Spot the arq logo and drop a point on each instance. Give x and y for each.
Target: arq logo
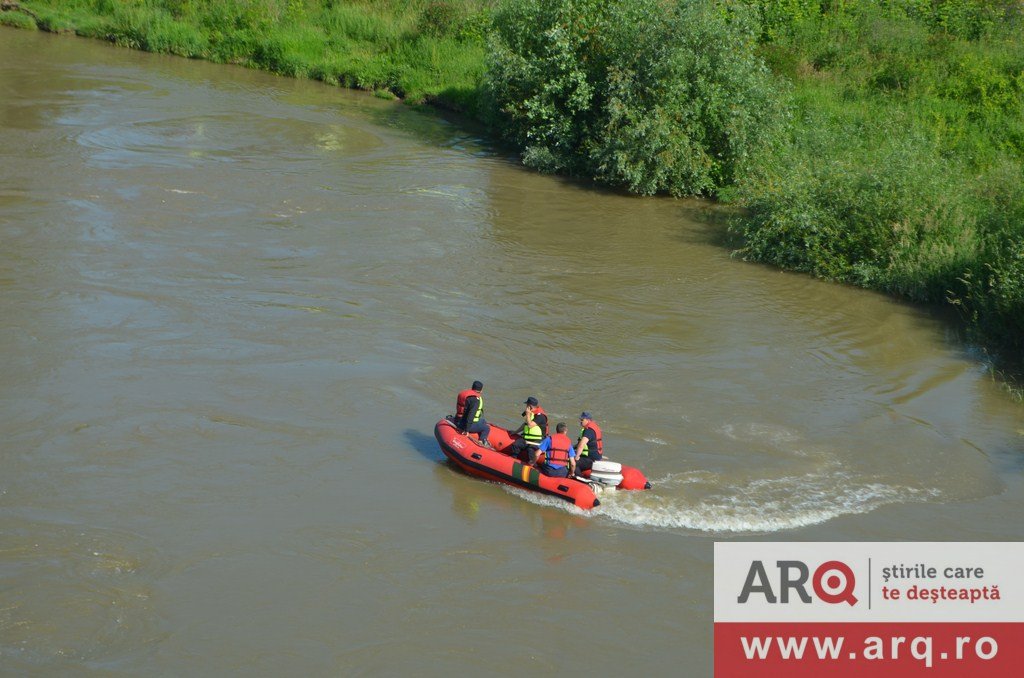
(833, 582)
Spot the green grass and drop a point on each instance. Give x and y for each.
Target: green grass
(17, 20)
(416, 49)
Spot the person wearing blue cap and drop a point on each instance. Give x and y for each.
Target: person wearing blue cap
(589, 446)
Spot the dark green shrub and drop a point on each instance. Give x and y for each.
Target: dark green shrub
(778, 18)
(969, 19)
(643, 94)
(893, 75)
(441, 18)
(844, 208)
(476, 26)
(234, 47)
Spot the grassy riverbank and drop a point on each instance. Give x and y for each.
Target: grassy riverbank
(413, 49)
(882, 146)
(905, 167)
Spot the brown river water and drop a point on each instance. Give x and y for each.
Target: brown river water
(232, 307)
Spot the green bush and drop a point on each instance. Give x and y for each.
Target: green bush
(779, 18)
(169, 36)
(650, 96)
(880, 207)
(904, 173)
(476, 26)
(440, 18)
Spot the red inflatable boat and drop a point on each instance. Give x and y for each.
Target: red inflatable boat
(499, 466)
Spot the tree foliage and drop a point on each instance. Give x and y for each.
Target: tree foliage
(649, 95)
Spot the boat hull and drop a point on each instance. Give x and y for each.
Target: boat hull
(498, 466)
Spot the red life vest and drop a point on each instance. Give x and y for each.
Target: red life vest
(537, 409)
(559, 452)
(460, 403)
(597, 436)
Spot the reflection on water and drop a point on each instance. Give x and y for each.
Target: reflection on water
(233, 307)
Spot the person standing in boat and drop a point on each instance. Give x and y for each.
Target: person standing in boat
(589, 446)
(532, 431)
(469, 412)
(556, 456)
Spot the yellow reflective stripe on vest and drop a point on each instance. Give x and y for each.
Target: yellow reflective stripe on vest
(532, 433)
(586, 450)
(479, 409)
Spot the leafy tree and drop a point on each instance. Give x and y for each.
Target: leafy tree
(649, 95)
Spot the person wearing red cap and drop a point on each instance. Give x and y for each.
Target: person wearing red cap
(589, 446)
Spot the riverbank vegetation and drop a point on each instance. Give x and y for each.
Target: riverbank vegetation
(877, 142)
(651, 96)
(905, 166)
(412, 49)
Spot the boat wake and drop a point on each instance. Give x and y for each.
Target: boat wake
(761, 505)
(704, 502)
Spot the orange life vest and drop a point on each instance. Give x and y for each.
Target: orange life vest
(597, 439)
(460, 403)
(537, 409)
(559, 452)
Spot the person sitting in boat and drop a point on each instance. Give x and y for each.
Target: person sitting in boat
(539, 415)
(469, 413)
(589, 447)
(556, 456)
(531, 432)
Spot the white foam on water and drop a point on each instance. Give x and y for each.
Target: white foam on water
(554, 502)
(756, 506)
(655, 441)
(762, 505)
